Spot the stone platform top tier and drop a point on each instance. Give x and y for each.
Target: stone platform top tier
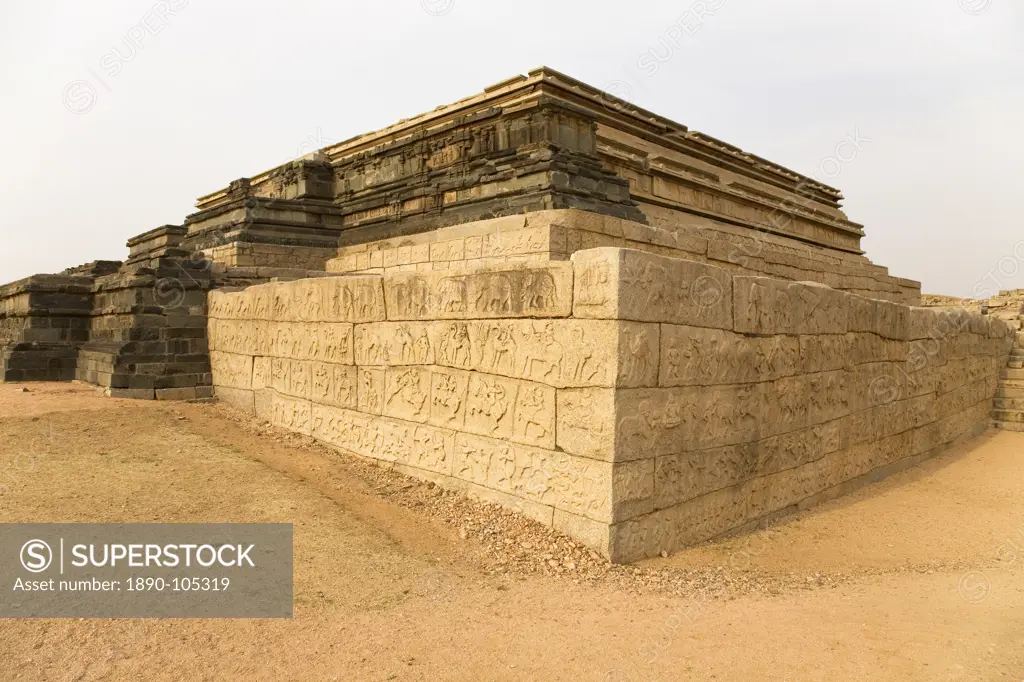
(541, 141)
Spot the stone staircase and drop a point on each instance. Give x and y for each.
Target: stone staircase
(1008, 410)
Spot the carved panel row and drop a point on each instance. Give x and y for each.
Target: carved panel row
(653, 422)
(231, 370)
(326, 384)
(771, 306)
(685, 476)
(634, 285)
(323, 299)
(416, 445)
(327, 342)
(483, 404)
(525, 291)
(699, 356)
(560, 353)
(573, 484)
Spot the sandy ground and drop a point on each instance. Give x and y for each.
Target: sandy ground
(914, 578)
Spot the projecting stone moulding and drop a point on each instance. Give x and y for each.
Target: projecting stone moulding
(637, 402)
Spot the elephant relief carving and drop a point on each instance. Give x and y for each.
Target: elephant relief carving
(539, 291)
(495, 296)
(412, 298)
(451, 294)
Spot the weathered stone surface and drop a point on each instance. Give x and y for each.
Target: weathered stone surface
(324, 299)
(500, 292)
(586, 423)
(694, 356)
(623, 284)
(569, 353)
(334, 385)
(231, 370)
(391, 344)
(574, 484)
(391, 440)
(768, 306)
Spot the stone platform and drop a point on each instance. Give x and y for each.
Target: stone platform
(546, 297)
(637, 402)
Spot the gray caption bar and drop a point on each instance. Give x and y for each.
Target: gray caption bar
(146, 570)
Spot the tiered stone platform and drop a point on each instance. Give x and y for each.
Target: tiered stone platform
(546, 297)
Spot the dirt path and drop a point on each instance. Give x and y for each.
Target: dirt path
(915, 578)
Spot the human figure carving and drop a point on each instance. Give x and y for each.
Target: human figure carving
(491, 402)
(455, 346)
(421, 350)
(545, 351)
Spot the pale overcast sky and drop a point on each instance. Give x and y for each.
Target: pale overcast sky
(103, 140)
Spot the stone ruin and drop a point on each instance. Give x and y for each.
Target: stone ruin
(547, 298)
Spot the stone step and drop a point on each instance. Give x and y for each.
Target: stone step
(1010, 391)
(1009, 403)
(1017, 374)
(1008, 426)
(1008, 416)
(1015, 363)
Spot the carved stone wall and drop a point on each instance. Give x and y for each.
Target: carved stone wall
(557, 234)
(636, 401)
(450, 378)
(770, 395)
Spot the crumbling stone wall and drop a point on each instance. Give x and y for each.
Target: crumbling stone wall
(557, 234)
(42, 321)
(136, 329)
(636, 401)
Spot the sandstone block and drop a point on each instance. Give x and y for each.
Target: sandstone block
(560, 353)
(417, 445)
(238, 398)
(261, 374)
(574, 484)
(768, 306)
(695, 356)
(494, 292)
(634, 285)
(290, 413)
(392, 344)
(407, 393)
(231, 370)
(334, 385)
(370, 390)
(130, 393)
(176, 393)
(586, 422)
